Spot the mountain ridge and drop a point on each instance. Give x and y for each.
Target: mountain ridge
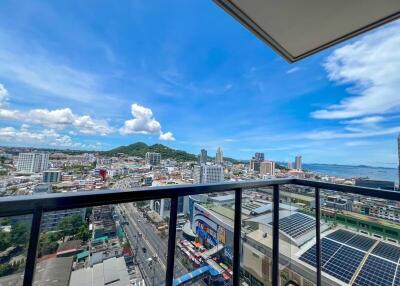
(140, 149)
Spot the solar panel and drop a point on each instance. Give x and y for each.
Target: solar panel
(328, 248)
(344, 263)
(296, 224)
(361, 242)
(387, 251)
(376, 272)
(341, 235)
(397, 280)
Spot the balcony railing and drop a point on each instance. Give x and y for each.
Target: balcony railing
(36, 205)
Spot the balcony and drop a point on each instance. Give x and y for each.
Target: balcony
(273, 242)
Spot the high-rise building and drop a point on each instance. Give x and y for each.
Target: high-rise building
(51, 176)
(297, 163)
(202, 157)
(153, 158)
(254, 165)
(267, 168)
(259, 156)
(256, 161)
(219, 156)
(32, 162)
(208, 174)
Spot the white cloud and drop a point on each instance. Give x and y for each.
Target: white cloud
(42, 137)
(356, 133)
(371, 66)
(167, 136)
(293, 70)
(357, 143)
(3, 95)
(143, 122)
(366, 120)
(58, 118)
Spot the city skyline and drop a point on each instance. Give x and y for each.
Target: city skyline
(63, 91)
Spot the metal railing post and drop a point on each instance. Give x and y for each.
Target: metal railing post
(318, 234)
(171, 241)
(33, 246)
(275, 237)
(237, 236)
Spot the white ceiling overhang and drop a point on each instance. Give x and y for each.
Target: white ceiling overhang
(299, 28)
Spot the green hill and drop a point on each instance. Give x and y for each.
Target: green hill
(140, 149)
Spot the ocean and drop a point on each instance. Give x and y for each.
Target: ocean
(345, 171)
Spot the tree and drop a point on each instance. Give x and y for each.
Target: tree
(5, 238)
(83, 232)
(5, 269)
(47, 243)
(5, 221)
(20, 234)
(70, 225)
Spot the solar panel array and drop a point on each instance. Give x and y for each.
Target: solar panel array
(387, 251)
(296, 224)
(376, 271)
(343, 252)
(328, 248)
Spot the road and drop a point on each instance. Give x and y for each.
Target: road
(155, 245)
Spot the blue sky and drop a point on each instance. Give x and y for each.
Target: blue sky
(96, 74)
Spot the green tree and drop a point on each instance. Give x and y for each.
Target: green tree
(20, 234)
(48, 243)
(5, 221)
(5, 242)
(83, 232)
(5, 269)
(70, 225)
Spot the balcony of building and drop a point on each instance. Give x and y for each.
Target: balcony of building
(274, 232)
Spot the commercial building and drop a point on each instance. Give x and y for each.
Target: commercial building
(298, 163)
(267, 168)
(207, 174)
(338, 203)
(378, 184)
(32, 162)
(51, 176)
(219, 156)
(153, 158)
(212, 222)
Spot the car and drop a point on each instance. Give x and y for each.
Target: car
(144, 249)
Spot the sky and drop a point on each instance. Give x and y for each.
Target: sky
(95, 75)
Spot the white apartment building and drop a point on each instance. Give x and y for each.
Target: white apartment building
(32, 162)
(208, 174)
(153, 159)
